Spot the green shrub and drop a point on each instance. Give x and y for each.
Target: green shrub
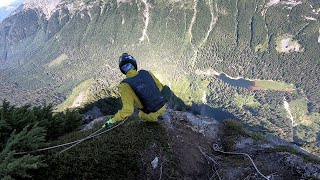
(28, 139)
(24, 129)
(231, 131)
(232, 127)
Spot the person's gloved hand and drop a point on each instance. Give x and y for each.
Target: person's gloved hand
(108, 123)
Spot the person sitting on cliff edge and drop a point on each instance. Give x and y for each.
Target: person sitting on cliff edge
(141, 89)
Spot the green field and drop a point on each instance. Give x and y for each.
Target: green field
(82, 89)
(273, 85)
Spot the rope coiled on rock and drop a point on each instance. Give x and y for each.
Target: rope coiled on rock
(218, 149)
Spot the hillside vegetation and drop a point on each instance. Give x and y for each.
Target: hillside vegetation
(25, 129)
(47, 52)
(179, 146)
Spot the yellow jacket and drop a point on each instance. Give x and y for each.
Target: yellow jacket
(129, 98)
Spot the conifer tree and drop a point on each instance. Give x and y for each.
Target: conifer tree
(26, 129)
(28, 139)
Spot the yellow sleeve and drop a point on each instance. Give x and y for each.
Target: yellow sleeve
(127, 103)
(156, 80)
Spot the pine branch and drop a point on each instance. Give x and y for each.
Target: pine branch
(25, 140)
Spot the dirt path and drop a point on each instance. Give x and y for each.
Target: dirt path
(77, 102)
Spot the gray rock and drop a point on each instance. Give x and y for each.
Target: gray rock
(209, 127)
(306, 169)
(276, 141)
(92, 123)
(243, 142)
(94, 112)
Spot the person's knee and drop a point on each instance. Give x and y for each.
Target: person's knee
(162, 111)
(148, 117)
(152, 117)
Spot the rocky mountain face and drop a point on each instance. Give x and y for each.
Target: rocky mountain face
(220, 148)
(47, 48)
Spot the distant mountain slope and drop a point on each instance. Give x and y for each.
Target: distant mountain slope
(58, 44)
(7, 10)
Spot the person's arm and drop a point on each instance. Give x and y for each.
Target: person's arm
(156, 80)
(127, 103)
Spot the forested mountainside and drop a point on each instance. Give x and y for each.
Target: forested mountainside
(255, 60)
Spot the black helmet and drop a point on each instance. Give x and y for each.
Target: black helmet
(125, 58)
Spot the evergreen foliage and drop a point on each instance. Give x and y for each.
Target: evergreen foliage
(27, 140)
(25, 129)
